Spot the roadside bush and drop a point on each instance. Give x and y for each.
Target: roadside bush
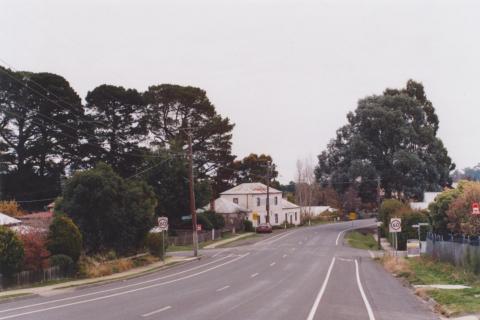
(35, 252)
(111, 212)
(248, 226)
(204, 221)
(64, 238)
(460, 219)
(11, 208)
(409, 217)
(62, 261)
(11, 252)
(387, 211)
(155, 244)
(217, 220)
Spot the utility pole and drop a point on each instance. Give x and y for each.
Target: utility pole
(268, 193)
(193, 211)
(378, 212)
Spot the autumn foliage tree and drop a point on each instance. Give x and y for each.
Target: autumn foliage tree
(36, 253)
(11, 208)
(459, 213)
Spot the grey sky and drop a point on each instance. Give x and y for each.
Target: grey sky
(285, 72)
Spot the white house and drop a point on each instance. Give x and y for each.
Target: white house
(253, 197)
(428, 197)
(290, 213)
(233, 213)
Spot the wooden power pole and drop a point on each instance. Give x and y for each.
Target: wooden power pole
(193, 210)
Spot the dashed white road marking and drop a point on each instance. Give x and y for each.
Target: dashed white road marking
(156, 311)
(254, 275)
(123, 292)
(364, 297)
(222, 288)
(314, 308)
(116, 288)
(284, 256)
(345, 259)
(272, 264)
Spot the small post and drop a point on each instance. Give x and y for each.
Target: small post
(163, 245)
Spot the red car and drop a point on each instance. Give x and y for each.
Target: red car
(264, 228)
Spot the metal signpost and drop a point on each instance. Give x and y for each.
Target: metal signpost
(163, 226)
(475, 209)
(395, 227)
(379, 225)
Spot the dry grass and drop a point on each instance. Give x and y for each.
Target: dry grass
(398, 266)
(98, 266)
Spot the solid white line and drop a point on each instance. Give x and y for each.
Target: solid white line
(125, 292)
(117, 288)
(371, 254)
(272, 264)
(321, 292)
(254, 275)
(156, 311)
(364, 297)
(351, 228)
(222, 288)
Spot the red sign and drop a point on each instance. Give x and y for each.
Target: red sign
(475, 208)
(199, 227)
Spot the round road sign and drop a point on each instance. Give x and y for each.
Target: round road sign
(395, 225)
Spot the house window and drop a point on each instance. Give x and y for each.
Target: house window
(276, 201)
(235, 200)
(258, 202)
(295, 216)
(276, 218)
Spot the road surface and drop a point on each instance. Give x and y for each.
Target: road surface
(306, 273)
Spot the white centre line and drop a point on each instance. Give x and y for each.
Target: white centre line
(223, 288)
(284, 256)
(156, 311)
(272, 264)
(364, 297)
(254, 275)
(321, 292)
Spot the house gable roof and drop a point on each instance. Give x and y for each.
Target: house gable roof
(225, 206)
(288, 205)
(250, 188)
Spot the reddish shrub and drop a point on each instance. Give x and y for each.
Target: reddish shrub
(36, 253)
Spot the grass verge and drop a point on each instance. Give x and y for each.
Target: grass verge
(425, 271)
(361, 239)
(12, 296)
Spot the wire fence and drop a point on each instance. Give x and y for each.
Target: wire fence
(460, 250)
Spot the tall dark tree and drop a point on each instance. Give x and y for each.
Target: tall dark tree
(172, 109)
(254, 168)
(118, 127)
(40, 125)
(391, 137)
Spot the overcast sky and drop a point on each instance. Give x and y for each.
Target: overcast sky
(285, 72)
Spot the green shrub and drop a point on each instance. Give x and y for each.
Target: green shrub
(248, 226)
(204, 221)
(155, 244)
(11, 252)
(61, 260)
(217, 220)
(64, 238)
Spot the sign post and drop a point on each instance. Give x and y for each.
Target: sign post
(395, 227)
(475, 208)
(163, 226)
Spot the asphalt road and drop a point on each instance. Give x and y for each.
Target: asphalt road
(305, 273)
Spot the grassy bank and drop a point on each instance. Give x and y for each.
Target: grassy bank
(361, 239)
(425, 271)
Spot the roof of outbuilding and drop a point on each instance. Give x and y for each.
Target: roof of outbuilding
(288, 205)
(250, 188)
(225, 206)
(7, 220)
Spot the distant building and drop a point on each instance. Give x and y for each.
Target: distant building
(252, 197)
(428, 198)
(315, 211)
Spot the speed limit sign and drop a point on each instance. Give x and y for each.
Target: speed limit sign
(163, 223)
(395, 225)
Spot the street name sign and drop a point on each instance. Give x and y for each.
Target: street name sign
(163, 223)
(395, 225)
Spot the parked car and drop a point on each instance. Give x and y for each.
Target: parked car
(264, 228)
